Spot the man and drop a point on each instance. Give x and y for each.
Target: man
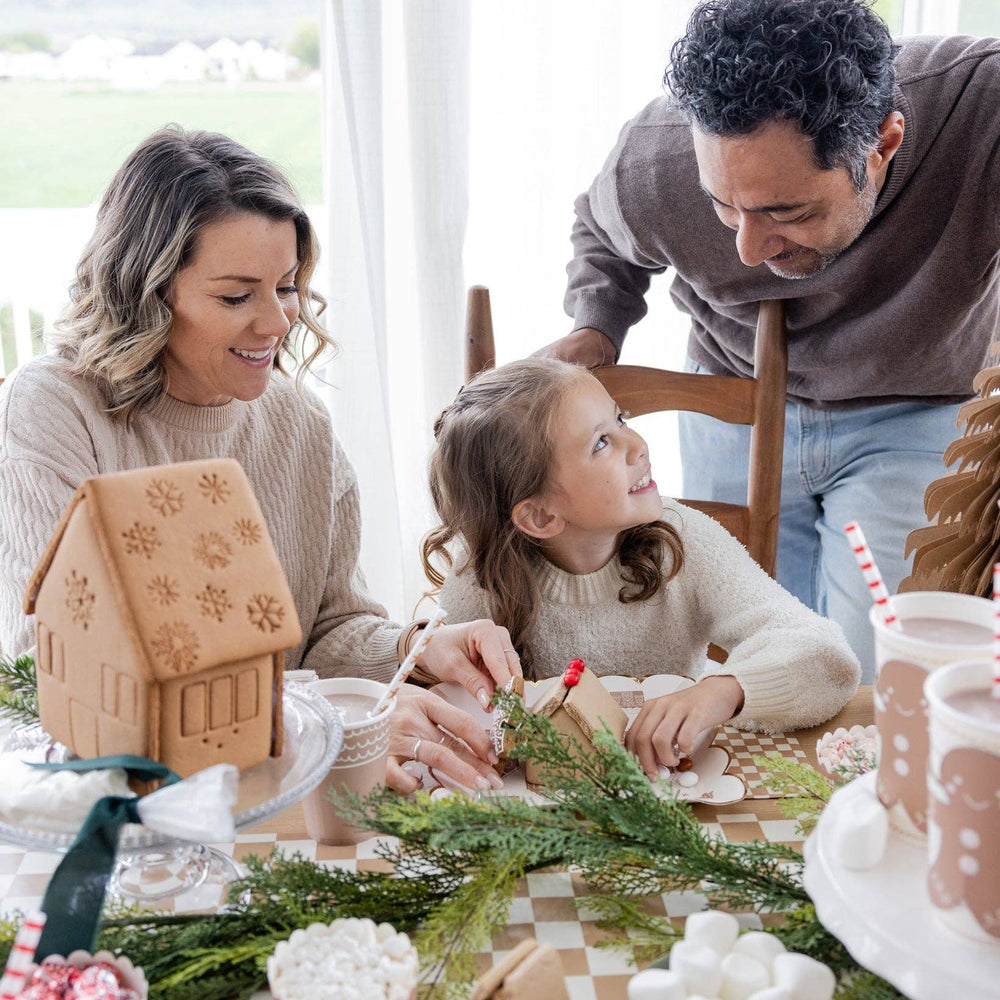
(861, 182)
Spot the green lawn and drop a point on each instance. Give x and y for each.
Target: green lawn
(62, 142)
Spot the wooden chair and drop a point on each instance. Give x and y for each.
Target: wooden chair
(758, 402)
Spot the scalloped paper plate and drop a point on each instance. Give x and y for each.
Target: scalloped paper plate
(710, 764)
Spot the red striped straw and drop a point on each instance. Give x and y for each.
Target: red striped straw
(22, 954)
(996, 630)
(872, 576)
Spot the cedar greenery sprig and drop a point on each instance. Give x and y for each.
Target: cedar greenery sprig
(18, 692)
(803, 791)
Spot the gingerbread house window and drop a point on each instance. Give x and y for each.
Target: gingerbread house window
(247, 695)
(50, 653)
(194, 699)
(119, 695)
(220, 711)
(43, 652)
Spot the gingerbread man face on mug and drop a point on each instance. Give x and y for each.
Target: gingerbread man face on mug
(901, 714)
(965, 836)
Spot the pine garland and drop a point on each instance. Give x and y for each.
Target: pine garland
(18, 694)
(457, 861)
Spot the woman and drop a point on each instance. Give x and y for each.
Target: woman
(191, 305)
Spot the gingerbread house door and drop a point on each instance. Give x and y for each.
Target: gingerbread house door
(220, 716)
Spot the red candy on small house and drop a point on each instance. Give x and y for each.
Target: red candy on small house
(571, 676)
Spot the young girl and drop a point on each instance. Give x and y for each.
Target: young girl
(560, 534)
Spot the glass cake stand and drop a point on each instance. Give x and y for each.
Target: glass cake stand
(152, 868)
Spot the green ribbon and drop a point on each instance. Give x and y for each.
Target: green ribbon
(74, 898)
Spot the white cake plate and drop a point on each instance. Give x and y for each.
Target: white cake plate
(152, 868)
(884, 917)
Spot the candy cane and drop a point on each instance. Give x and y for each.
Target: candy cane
(22, 954)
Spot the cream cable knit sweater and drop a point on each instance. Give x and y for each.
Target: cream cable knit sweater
(54, 434)
(795, 667)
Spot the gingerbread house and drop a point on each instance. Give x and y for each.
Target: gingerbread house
(578, 705)
(162, 619)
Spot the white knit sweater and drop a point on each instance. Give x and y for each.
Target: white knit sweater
(54, 434)
(795, 667)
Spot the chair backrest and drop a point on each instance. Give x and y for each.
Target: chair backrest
(758, 402)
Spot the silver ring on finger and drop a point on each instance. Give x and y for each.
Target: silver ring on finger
(416, 749)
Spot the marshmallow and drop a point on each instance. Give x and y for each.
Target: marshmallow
(861, 833)
(713, 928)
(742, 976)
(656, 984)
(803, 977)
(760, 945)
(771, 993)
(687, 779)
(698, 965)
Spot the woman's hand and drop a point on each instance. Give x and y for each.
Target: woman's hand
(478, 655)
(668, 728)
(450, 741)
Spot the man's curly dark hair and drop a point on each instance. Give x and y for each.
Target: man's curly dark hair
(825, 65)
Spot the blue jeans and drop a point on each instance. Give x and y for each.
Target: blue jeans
(870, 464)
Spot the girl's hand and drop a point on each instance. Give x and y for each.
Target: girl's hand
(450, 741)
(478, 655)
(668, 728)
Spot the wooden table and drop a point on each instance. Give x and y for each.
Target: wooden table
(544, 906)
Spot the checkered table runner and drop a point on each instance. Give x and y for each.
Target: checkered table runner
(743, 747)
(544, 907)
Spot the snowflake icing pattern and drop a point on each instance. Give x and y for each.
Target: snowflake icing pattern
(163, 590)
(212, 550)
(247, 532)
(265, 612)
(80, 600)
(176, 644)
(164, 497)
(213, 602)
(142, 540)
(213, 487)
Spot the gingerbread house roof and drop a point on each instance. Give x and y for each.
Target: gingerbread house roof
(194, 572)
(587, 702)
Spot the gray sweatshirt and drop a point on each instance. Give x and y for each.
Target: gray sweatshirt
(905, 313)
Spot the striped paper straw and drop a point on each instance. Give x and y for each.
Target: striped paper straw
(996, 630)
(406, 667)
(872, 576)
(22, 954)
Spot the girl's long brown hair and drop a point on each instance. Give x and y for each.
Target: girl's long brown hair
(494, 450)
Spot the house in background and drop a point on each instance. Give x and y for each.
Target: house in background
(163, 616)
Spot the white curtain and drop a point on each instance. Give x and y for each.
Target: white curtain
(396, 92)
(457, 135)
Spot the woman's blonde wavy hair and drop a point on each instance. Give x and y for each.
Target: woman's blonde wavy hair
(494, 449)
(173, 185)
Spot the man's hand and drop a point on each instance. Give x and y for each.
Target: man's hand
(585, 346)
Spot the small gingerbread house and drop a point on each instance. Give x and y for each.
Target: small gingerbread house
(579, 705)
(163, 616)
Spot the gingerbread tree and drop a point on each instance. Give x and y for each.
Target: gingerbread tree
(957, 550)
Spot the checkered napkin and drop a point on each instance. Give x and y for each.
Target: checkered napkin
(744, 746)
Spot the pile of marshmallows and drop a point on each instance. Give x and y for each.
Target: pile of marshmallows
(349, 959)
(713, 962)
